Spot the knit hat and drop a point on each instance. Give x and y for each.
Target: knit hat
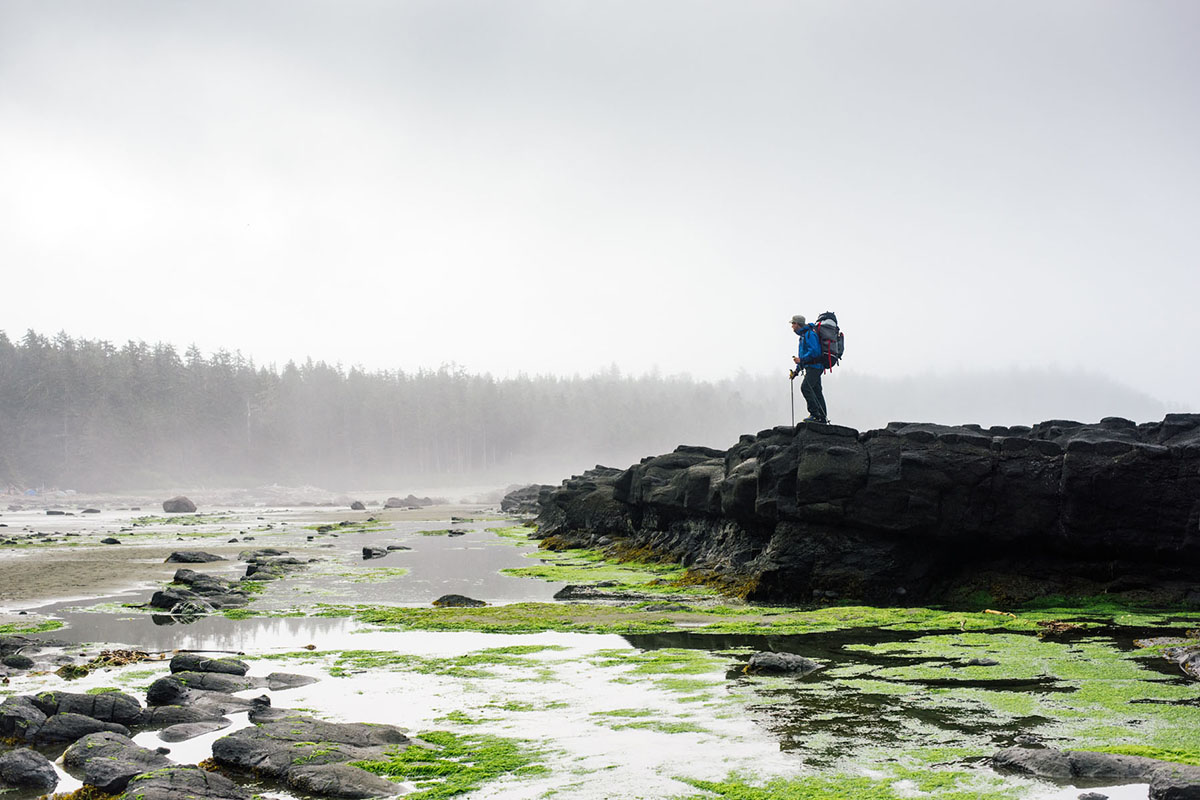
(798, 319)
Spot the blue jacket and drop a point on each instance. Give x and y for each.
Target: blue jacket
(810, 354)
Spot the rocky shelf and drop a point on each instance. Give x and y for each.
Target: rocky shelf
(914, 512)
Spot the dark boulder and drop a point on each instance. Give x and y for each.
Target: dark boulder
(193, 557)
(358, 505)
(184, 783)
(339, 780)
(311, 755)
(197, 587)
(195, 662)
(25, 769)
(17, 661)
(109, 760)
(369, 553)
(179, 505)
(107, 707)
(1168, 780)
(20, 719)
(110, 540)
(457, 601)
(768, 662)
(411, 501)
(70, 727)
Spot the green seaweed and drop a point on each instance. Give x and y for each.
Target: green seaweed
(470, 665)
(944, 785)
(30, 627)
(455, 764)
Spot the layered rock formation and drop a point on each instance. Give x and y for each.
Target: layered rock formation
(913, 512)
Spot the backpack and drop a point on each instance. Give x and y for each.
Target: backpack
(833, 344)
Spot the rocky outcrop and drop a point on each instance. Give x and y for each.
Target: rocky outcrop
(912, 512)
(523, 500)
(55, 717)
(411, 501)
(200, 590)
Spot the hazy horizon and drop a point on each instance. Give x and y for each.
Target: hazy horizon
(87, 414)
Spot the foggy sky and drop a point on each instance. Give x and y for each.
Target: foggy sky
(560, 186)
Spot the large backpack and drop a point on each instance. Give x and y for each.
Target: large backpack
(833, 344)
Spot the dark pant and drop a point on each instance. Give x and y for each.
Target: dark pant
(810, 387)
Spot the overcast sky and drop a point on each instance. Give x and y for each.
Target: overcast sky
(558, 186)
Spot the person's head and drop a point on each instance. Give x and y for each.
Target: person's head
(797, 322)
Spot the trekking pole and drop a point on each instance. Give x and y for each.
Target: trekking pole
(792, 383)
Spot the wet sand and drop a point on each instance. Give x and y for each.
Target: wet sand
(34, 576)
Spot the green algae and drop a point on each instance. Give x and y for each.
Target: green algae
(376, 574)
(456, 764)
(180, 519)
(459, 717)
(1191, 757)
(591, 566)
(945, 786)
(44, 626)
(471, 665)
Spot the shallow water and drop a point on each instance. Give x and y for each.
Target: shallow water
(610, 722)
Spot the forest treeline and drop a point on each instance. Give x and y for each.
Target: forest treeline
(88, 415)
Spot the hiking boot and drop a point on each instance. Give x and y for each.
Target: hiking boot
(811, 419)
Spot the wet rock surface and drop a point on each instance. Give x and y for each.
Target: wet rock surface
(524, 500)
(458, 601)
(184, 783)
(198, 662)
(109, 760)
(779, 663)
(193, 557)
(911, 513)
(27, 769)
(311, 755)
(1168, 781)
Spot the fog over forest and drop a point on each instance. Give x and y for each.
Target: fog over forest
(92, 416)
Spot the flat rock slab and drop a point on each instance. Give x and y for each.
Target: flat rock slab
(26, 769)
(185, 783)
(109, 761)
(311, 755)
(340, 780)
(190, 730)
(458, 601)
(69, 727)
(193, 557)
(1168, 781)
(789, 663)
(170, 715)
(195, 662)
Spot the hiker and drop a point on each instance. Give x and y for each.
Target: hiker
(811, 362)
